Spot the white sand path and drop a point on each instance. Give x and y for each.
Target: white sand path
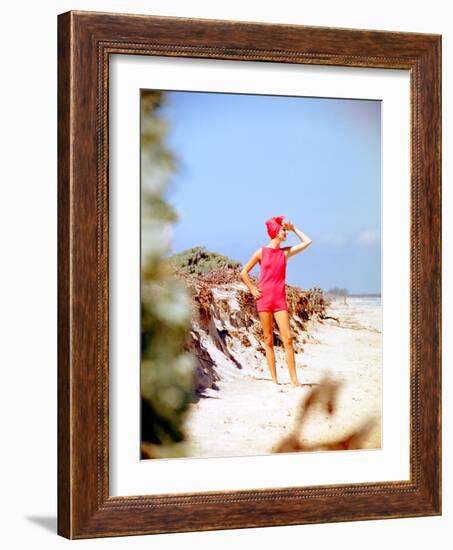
(249, 414)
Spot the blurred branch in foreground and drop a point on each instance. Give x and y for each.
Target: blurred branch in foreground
(167, 373)
(323, 399)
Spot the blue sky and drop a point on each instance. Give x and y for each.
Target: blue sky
(244, 158)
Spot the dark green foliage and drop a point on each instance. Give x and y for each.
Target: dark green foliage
(198, 260)
(338, 291)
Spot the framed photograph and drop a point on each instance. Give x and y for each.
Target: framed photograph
(249, 274)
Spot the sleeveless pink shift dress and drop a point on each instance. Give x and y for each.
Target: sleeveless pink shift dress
(272, 280)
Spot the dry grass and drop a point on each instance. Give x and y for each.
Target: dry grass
(322, 399)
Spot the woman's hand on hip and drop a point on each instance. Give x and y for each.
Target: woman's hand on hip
(256, 292)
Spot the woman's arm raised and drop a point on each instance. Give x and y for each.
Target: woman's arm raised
(306, 241)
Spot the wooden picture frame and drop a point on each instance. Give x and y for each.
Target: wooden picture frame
(85, 41)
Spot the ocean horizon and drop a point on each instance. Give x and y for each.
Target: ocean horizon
(362, 299)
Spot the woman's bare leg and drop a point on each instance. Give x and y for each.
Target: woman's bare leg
(267, 323)
(282, 319)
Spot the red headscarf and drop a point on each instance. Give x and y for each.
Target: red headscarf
(274, 225)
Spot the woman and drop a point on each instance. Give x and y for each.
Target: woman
(271, 294)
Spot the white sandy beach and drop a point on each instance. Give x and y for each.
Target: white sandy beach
(250, 414)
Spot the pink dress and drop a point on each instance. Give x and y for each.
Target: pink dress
(272, 280)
